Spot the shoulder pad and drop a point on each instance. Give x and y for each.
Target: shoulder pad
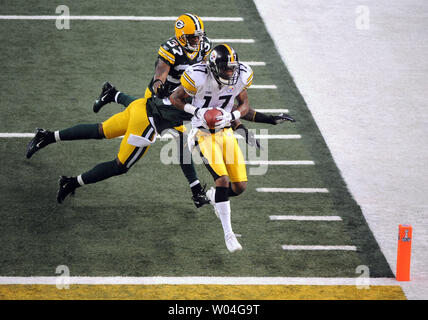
(166, 51)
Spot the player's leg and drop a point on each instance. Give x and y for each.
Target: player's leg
(110, 94)
(211, 152)
(114, 127)
(187, 166)
(43, 137)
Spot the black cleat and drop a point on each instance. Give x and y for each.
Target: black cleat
(39, 141)
(201, 198)
(67, 185)
(107, 95)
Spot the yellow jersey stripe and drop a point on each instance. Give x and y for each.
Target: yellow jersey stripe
(189, 78)
(189, 87)
(165, 54)
(250, 78)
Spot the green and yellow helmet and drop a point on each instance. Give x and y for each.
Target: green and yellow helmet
(189, 30)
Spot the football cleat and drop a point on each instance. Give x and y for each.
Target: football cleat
(107, 95)
(211, 197)
(232, 243)
(282, 118)
(201, 198)
(66, 186)
(39, 141)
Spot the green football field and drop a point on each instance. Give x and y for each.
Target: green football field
(144, 223)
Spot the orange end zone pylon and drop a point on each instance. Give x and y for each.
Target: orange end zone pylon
(404, 252)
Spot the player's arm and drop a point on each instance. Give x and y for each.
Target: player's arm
(254, 116)
(161, 73)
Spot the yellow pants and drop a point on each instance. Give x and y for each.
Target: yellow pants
(133, 120)
(222, 155)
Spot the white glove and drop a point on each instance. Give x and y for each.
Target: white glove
(198, 119)
(226, 118)
(191, 139)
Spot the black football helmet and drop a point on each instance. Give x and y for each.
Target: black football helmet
(224, 64)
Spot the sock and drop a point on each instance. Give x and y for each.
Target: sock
(196, 187)
(81, 131)
(261, 117)
(222, 205)
(187, 166)
(101, 172)
(124, 99)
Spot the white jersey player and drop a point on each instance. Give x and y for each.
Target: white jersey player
(218, 83)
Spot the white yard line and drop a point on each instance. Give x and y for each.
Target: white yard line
(193, 281)
(254, 63)
(280, 162)
(293, 190)
(273, 110)
(233, 40)
(263, 86)
(125, 18)
(306, 218)
(343, 248)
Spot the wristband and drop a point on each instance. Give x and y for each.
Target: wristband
(236, 115)
(189, 108)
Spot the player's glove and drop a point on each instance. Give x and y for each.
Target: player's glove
(191, 139)
(282, 118)
(227, 118)
(249, 136)
(158, 87)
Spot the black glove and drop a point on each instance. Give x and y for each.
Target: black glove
(250, 138)
(282, 118)
(159, 89)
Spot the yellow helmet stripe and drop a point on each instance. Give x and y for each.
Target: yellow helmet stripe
(165, 54)
(188, 84)
(231, 52)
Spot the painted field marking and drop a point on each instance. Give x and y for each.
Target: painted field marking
(293, 190)
(126, 18)
(273, 110)
(233, 41)
(263, 86)
(280, 162)
(294, 247)
(195, 281)
(254, 63)
(306, 218)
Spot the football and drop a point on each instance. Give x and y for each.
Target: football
(210, 117)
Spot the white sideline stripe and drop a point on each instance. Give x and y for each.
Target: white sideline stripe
(129, 18)
(293, 190)
(233, 40)
(16, 135)
(255, 63)
(165, 136)
(272, 110)
(307, 218)
(263, 86)
(195, 281)
(345, 248)
(280, 162)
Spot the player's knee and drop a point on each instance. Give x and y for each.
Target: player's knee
(222, 181)
(239, 187)
(120, 167)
